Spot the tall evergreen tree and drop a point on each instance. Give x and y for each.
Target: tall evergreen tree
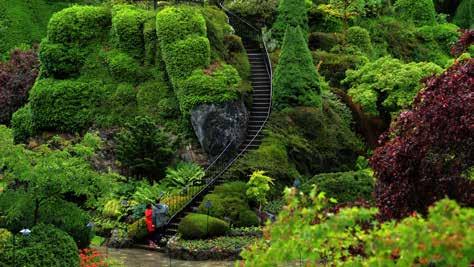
(291, 13)
(296, 81)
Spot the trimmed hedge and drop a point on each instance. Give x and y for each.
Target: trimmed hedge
(198, 226)
(184, 56)
(230, 201)
(217, 87)
(360, 38)
(64, 105)
(296, 81)
(124, 68)
(344, 186)
(127, 27)
(421, 12)
(22, 124)
(61, 61)
(79, 24)
(178, 23)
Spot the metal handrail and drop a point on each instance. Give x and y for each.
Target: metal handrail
(220, 163)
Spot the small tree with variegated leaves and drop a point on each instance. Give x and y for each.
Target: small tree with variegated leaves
(258, 187)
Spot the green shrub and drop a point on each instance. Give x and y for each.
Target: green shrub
(61, 61)
(229, 201)
(46, 246)
(291, 13)
(198, 226)
(388, 81)
(78, 24)
(344, 186)
(333, 66)
(178, 23)
(156, 100)
(64, 105)
(247, 218)
(137, 230)
(360, 37)
(184, 174)
(143, 148)
(321, 21)
(465, 14)
(203, 87)
(127, 26)
(217, 27)
(112, 208)
(123, 102)
(124, 68)
(259, 13)
(184, 56)
(323, 40)
(296, 81)
(445, 35)
(421, 12)
(233, 43)
(22, 124)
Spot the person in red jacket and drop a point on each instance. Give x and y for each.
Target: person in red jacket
(150, 227)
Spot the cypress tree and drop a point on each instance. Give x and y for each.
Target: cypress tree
(296, 81)
(291, 13)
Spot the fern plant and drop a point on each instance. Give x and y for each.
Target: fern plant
(184, 174)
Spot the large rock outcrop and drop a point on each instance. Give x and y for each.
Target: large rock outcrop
(216, 125)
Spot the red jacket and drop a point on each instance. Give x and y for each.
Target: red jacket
(149, 220)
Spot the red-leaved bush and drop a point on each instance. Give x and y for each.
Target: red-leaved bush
(90, 257)
(465, 40)
(17, 76)
(428, 150)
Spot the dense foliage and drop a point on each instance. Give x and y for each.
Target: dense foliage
(198, 226)
(305, 233)
(428, 150)
(422, 12)
(144, 149)
(296, 81)
(291, 13)
(387, 85)
(17, 76)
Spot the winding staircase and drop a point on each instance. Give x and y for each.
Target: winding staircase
(191, 196)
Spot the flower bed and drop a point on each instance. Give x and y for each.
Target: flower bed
(220, 248)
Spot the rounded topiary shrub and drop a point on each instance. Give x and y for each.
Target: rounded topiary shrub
(421, 12)
(61, 61)
(198, 226)
(177, 23)
(64, 105)
(344, 186)
(247, 218)
(127, 26)
(78, 24)
(360, 38)
(46, 246)
(22, 124)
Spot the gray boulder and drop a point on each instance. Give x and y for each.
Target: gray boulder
(216, 125)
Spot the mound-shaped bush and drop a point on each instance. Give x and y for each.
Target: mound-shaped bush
(123, 67)
(78, 24)
(61, 61)
(64, 105)
(360, 38)
(178, 23)
(198, 226)
(46, 246)
(421, 12)
(127, 26)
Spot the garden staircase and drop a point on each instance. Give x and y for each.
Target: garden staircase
(191, 196)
